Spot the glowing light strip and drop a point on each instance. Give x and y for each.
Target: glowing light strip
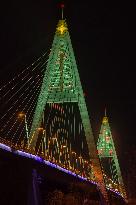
(39, 159)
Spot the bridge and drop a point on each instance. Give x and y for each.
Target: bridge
(52, 176)
(44, 120)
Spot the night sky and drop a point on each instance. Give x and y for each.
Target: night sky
(103, 39)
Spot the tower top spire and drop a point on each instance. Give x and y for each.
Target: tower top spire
(105, 112)
(105, 118)
(62, 25)
(62, 8)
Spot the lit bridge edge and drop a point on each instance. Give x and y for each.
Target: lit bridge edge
(40, 159)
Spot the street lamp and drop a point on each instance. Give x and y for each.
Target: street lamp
(40, 129)
(21, 115)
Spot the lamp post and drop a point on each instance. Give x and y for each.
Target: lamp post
(26, 127)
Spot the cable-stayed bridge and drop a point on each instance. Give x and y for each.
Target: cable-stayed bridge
(43, 116)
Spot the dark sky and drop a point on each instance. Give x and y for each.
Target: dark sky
(103, 39)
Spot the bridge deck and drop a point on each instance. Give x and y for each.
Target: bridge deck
(16, 177)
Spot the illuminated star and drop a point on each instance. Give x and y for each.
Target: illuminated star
(105, 120)
(61, 28)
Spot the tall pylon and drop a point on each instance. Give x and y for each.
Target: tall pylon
(108, 158)
(61, 84)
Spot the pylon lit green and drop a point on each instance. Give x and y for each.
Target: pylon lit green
(108, 158)
(61, 84)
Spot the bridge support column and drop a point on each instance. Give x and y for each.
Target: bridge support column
(34, 197)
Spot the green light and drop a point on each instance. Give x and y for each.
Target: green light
(106, 149)
(61, 84)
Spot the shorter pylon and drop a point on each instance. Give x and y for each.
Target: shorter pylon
(109, 160)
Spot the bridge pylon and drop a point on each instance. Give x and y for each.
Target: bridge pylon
(109, 160)
(62, 90)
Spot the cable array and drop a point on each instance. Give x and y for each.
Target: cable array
(19, 95)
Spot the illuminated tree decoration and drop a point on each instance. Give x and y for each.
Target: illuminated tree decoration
(61, 85)
(105, 143)
(108, 158)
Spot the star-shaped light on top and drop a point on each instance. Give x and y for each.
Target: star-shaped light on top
(105, 120)
(62, 27)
